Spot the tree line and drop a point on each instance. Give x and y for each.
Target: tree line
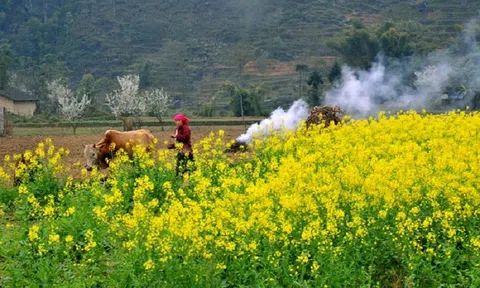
(356, 47)
(124, 103)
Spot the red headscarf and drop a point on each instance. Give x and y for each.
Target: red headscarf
(182, 118)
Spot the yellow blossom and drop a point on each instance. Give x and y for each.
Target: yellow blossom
(33, 232)
(70, 211)
(49, 211)
(149, 265)
(53, 238)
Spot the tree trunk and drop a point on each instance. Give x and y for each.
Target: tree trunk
(241, 111)
(74, 129)
(138, 123)
(127, 123)
(212, 109)
(159, 118)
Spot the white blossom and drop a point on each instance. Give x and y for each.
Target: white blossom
(127, 100)
(157, 102)
(69, 105)
(426, 77)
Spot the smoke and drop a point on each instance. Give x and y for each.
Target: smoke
(278, 120)
(415, 83)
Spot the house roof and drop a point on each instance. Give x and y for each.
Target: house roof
(17, 95)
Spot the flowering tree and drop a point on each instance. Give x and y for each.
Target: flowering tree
(157, 102)
(127, 101)
(56, 89)
(426, 77)
(124, 101)
(69, 105)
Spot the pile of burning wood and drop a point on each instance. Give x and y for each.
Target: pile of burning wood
(318, 115)
(237, 146)
(325, 114)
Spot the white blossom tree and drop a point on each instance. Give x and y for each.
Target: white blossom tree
(127, 101)
(157, 102)
(55, 89)
(426, 77)
(69, 105)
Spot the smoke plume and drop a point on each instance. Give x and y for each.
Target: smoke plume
(278, 120)
(414, 83)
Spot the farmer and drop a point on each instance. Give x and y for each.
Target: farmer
(182, 135)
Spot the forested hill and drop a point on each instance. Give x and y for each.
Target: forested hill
(190, 47)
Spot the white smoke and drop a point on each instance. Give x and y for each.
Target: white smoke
(360, 90)
(360, 87)
(278, 120)
(361, 93)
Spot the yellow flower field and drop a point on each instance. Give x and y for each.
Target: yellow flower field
(392, 201)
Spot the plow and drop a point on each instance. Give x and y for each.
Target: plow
(318, 115)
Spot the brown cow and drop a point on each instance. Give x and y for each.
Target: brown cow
(97, 154)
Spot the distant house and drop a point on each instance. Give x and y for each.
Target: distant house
(18, 102)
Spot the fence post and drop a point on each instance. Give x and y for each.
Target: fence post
(2, 121)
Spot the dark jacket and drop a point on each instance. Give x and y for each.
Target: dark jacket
(183, 136)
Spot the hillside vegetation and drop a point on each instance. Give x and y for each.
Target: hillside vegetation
(191, 47)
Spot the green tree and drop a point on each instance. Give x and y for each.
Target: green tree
(395, 45)
(241, 104)
(335, 73)
(86, 85)
(6, 61)
(301, 69)
(146, 75)
(357, 23)
(246, 101)
(315, 81)
(256, 95)
(384, 27)
(358, 46)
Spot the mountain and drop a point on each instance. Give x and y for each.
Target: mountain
(190, 47)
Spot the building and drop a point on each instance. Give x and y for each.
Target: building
(18, 102)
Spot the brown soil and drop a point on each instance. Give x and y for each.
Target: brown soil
(272, 68)
(17, 145)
